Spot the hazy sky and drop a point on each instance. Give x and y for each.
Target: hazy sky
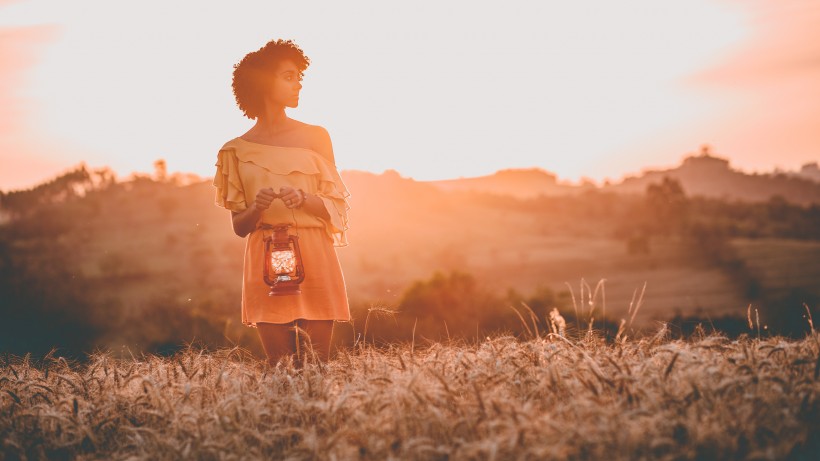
(433, 89)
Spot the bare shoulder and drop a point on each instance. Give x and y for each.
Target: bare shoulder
(319, 141)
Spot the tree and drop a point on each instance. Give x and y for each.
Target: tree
(667, 206)
(160, 170)
(66, 186)
(454, 305)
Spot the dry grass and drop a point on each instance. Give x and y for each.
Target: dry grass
(545, 398)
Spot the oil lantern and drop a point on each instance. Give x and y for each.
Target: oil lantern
(283, 262)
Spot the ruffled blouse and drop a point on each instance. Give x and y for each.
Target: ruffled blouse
(243, 168)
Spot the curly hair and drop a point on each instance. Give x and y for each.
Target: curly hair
(255, 68)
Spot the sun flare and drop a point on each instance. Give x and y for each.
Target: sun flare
(581, 89)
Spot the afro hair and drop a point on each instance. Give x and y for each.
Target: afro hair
(254, 69)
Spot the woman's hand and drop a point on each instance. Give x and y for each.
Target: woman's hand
(264, 198)
(244, 222)
(293, 198)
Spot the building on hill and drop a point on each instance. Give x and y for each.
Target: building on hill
(706, 162)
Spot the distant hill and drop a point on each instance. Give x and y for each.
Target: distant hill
(710, 176)
(700, 175)
(519, 183)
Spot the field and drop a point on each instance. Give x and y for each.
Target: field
(139, 269)
(503, 398)
(782, 265)
(139, 253)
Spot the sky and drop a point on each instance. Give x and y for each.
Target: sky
(431, 89)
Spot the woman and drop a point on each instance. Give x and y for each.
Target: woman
(282, 171)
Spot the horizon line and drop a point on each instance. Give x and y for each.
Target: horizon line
(579, 182)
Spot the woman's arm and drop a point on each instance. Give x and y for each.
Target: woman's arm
(244, 222)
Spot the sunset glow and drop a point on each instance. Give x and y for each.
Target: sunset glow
(433, 90)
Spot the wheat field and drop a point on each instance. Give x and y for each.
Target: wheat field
(502, 398)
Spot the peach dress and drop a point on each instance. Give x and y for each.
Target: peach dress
(242, 169)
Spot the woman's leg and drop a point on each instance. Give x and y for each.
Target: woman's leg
(319, 334)
(278, 339)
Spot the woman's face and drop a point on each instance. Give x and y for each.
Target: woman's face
(285, 85)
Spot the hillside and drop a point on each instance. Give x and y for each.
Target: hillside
(149, 263)
(519, 183)
(710, 176)
(701, 175)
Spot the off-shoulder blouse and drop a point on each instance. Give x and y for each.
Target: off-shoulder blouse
(243, 168)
